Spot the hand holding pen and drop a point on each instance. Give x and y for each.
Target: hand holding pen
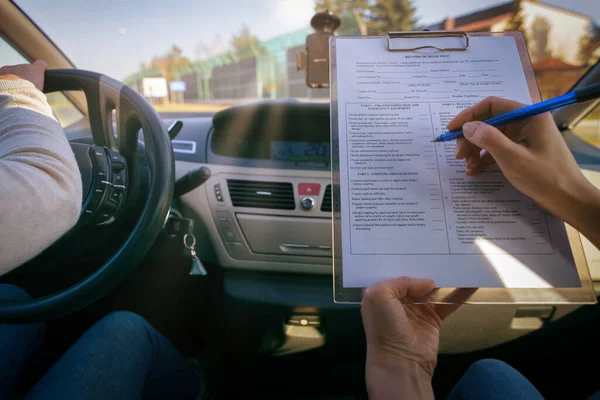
(576, 96)
(534, 157)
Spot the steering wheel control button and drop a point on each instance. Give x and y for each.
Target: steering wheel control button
(110, 207)
(99, 163)
(309, 189)
(105, 219)
(118, 194)
(99, 194)
(109, 186)
(307, 203)
(117, 165)
(116, 160)
(118, 168)
(119, 178)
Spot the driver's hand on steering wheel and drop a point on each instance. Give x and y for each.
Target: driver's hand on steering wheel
(41, 189)
(33, 73)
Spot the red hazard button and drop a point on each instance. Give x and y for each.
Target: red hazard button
(309, 189)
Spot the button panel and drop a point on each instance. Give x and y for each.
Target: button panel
(307, 203)
(118, 169)
(309, 189)
(118, 194)
(218, 193)
(100, 163)
(109, 186)
(230, 232)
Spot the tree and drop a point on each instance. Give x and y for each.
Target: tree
(516, 22)
(351, 23)
(348, 11)
(170, 62)
(588, 44)
(336, 7)
(383, 16)
(244, 39)
(539, 47)
(204, 50)
(379, 16)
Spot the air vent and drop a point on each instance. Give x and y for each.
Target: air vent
(326, 204)
(256, 194)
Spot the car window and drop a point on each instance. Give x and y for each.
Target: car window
(66, 113)
(245, 51)
(64, 110)
(588, 128)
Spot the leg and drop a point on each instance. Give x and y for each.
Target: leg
(595, 396)
(120, 357)
(493, 380)
(18, 343)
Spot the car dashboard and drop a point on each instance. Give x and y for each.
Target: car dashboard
(267, 204)
(263, 219)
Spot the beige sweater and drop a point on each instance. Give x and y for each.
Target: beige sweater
(40, 184)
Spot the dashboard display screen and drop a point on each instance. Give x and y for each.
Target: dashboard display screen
(284, 131)
(300, 151)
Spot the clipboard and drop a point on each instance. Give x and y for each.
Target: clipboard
(462, 35)
(447, 41)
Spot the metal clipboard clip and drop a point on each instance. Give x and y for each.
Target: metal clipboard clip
(427, 34)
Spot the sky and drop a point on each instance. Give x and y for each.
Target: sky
(114, 36)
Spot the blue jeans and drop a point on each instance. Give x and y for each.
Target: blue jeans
(120, 357)
(18, 344)
(495, 380)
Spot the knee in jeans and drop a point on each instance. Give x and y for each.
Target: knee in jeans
(15, 293)
(12, 292)
(488, 366)
(124, 323)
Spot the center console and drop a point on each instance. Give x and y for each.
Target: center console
(267, 204)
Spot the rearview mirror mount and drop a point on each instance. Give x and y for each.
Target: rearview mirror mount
(315, 60)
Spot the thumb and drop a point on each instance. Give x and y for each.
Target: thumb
(41, 64)
(398, 289)
(489, 138)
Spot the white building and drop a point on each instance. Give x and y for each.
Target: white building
(552, 32)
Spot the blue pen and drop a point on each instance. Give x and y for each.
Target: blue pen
(576, 96)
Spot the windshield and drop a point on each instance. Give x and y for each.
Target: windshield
(203, 56)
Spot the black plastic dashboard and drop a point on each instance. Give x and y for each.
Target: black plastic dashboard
(279, 134)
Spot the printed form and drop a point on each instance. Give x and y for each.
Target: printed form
(407, 207)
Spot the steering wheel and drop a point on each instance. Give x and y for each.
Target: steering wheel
(110, 174)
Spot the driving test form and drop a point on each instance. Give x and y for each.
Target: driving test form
(407, 206)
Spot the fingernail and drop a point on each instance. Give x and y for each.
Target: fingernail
(469, 129)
